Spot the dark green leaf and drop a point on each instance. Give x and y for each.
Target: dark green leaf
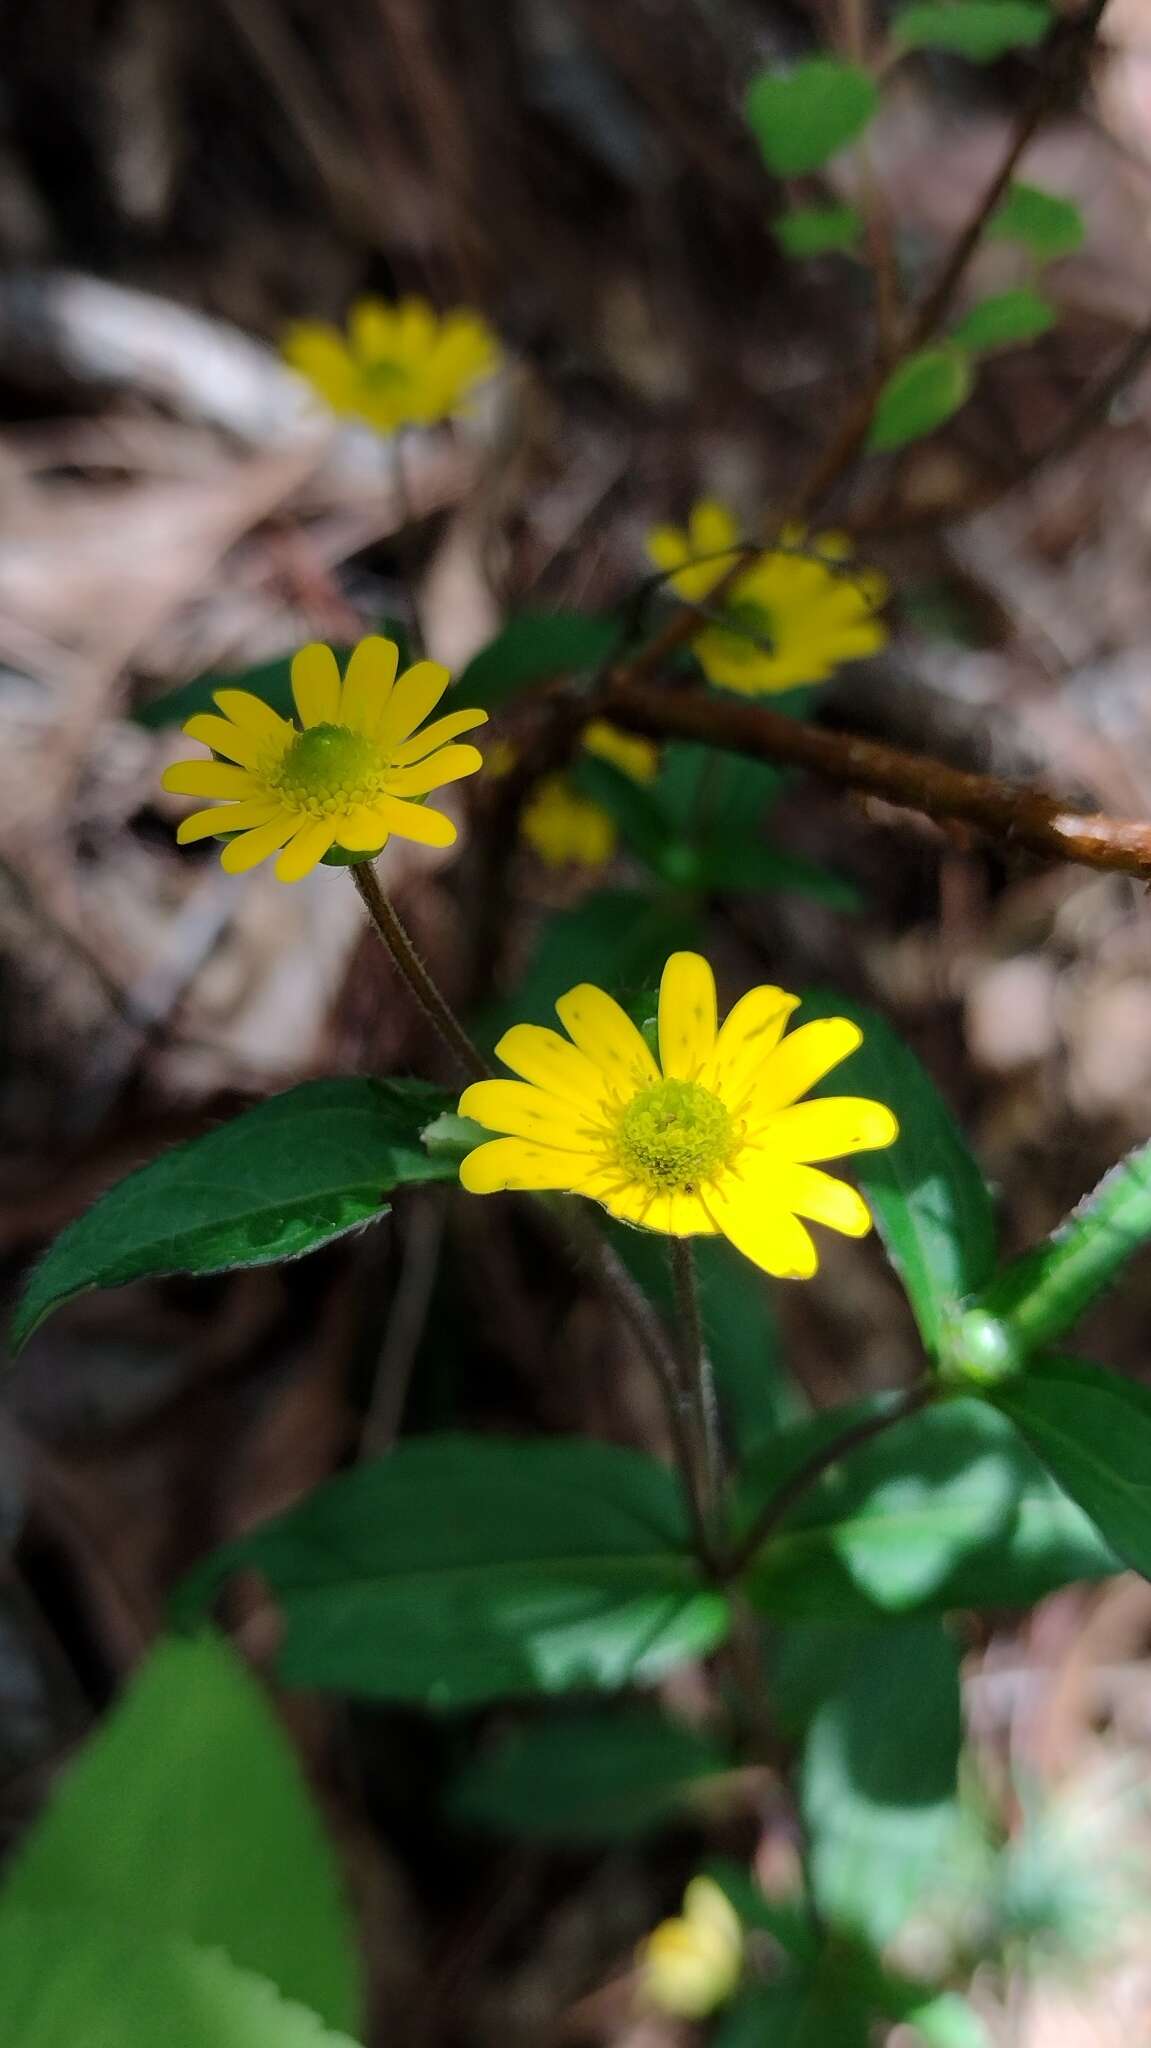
(979, 29)
(74, 1980)
(532, 648)
(1093, 1432)
(702, 791)
(1047, 224)
(724, 864)
(806, 2011)
(931, 1206)
(637, 816)
(818, 230)
(186, 1815)
(588, 1777)
(283, 1178)
(618, 938)
(460, 1568)
(1044, 1293)
(802, 117)
(1007, 320)
(878, 1778)
(787, 1921)
(947, 1509)
(921, 395)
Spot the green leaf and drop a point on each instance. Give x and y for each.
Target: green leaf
(942, 2019)
(270, 680)
(756, 867)
(947, 1509)
(291, 1174)
(924, 392)
(802, 117)
(805, 2011)
(459, 1569)
(737, 1311)
(532, 648)
(979, 29)
(618, 938)
(1010, 318)
(1043, 1294)
(1093, 1432)
(635, 812)
(71, 1980)
(878, 1778)
(587, 1777)
(818, 230)
(1047, 224)
(186, 1815)
(702, 791)
(931, 1206)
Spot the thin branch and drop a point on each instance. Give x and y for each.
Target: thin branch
(1013, 813)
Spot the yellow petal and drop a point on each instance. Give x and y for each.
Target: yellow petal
(225, 818)
(252, 847)
(673, 1215)
(766, 1233)
(417, 822)
(316, 685)
(686, 1016)
(364, 830)
(611, 1041)
(415, 329)
(521, 1111)
(415, 695)
(668, 547)
(436, 735)
(321, 355)
(516, 1163)
(712, 528)
(706, 1904)
(446, 765)
(802, 1059)
(748, 1035)
(245, 709)
(372, 330)
(553, 1064)
(823, 1199)
(208, 778)
(305, 850)
(371, 673)
(625, 750)
(225, 738)
(832, 1128)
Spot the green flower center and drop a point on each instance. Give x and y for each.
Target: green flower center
(327, 770)
(386, 377)
(674, 1135)
(749, 636)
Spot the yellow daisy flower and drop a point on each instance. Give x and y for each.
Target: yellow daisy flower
(633, 756)
(794, 617)
(348, 776)
(711, 1140)
(396, 366)
(692, 1964)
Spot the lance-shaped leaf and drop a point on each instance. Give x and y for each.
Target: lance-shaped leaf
(460, 1569)
(1007, 320)
(1093, 1432)
(1045, 222)
(283, 1178)
(980, 30)
(921, 395)
(1043, 1294)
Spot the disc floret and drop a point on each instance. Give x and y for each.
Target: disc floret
(674, 1136)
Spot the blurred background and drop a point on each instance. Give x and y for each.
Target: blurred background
(176, 186)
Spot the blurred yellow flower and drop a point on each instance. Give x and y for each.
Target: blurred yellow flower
(711, 1140)
(348, 776)
(566, 828)
(788, 618)
(396, 366)
(691, 1965)
(626, 751)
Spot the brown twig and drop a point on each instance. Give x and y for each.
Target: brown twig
(1016, 814)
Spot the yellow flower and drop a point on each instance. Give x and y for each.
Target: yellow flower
(566, 828)
(692, 1964)
(635, 757)
(713, 1140)
(349, 778)
(794, 616)
(397, 365)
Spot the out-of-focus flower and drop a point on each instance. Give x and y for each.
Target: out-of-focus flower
(396, 366)
(349, 775)
(713, 1139)
(566, 828)
(792, 616)
(691, 1965)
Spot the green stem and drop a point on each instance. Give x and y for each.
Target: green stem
(435, 1006)
(698, 1377)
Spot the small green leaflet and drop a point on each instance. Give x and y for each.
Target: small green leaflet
(186, 1815)
(802, 117)
(979, 29)
(533, 647)
(1093, 1432)
(79, 1980)
(1006, 321)
(462, 1569)
(587, 1776)
(818, 230)
(1042, 1295)
(283, 1178)
(1048, 225)
(921, 395)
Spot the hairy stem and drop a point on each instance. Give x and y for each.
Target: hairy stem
(436, 1008)
(698, 1376)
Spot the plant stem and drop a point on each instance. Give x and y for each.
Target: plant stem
(435, 1006)
(778, 1507)
(698, 1377)
(406, 548)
